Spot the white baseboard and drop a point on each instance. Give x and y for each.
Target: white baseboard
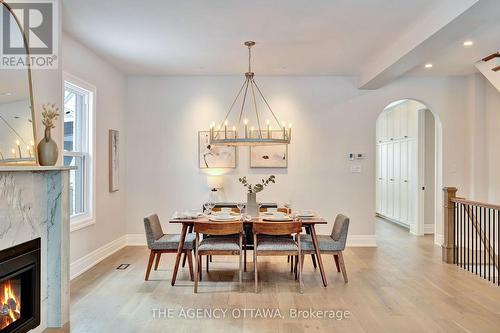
(438, 239)
(361, 241)
(136, 240)
(428, 229)
(93, 258)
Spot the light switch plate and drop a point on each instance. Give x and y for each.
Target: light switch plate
(356, 168)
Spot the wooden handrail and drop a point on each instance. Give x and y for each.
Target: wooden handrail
(475, 203)
(492, 56)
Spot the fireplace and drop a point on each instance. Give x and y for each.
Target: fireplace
(20, 287)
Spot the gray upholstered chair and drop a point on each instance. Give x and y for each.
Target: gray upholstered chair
(223, 244)
(277, 244)
(159, 243)
(331, 244)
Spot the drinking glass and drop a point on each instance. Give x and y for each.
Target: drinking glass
(240, 207)
(211, 206)
(206, 205)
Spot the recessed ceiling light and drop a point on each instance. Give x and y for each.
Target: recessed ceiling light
(7, 93)
(468, 43)
(428, 65)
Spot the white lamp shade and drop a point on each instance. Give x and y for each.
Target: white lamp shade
(214, 182)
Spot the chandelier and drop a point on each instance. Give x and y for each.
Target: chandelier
(262, 134)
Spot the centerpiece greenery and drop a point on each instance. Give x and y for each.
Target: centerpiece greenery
(251, 206)
(259, 187)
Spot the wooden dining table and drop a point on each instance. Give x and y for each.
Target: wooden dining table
(308, 223)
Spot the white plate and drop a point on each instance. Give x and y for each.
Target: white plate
(223, 218)
(308, 214)
(277, 218)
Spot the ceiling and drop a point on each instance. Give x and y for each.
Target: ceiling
(457, 59)
(199, 37)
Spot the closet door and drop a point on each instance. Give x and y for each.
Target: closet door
(396, 179)
(404, 183)
(384, 181)
(390, 176)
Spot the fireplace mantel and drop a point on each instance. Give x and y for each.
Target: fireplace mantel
(33, 168)
(34, 203)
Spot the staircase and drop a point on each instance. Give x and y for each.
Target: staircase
(490, 68)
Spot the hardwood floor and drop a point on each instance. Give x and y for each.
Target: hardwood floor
(401, 286)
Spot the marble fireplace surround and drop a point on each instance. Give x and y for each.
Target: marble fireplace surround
(34, 203)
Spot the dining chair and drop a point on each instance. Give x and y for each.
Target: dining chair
(331, 244)
(159, 242)
(224, 244)
(277, 245)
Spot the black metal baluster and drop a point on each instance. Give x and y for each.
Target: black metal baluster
(474, 220)
(482, 264)
(463, 232)
(489, 246)
(459, 235)
(455, 234)
(468, 239)
(494, 247)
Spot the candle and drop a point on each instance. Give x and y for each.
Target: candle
(246, 128)
(13, 152)
(251, 132)
(19, 148)
(29, 150)
(290, 131)
(225, 129)
(284, 129)
(234, 132)
(212, 130)
(268, 130)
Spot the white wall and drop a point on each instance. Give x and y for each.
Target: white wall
(483, 114)
(330, 116)
(429, 171)
(492, 106)
(110, 114)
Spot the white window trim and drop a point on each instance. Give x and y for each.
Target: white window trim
(81, 221)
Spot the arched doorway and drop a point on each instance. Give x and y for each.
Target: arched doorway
(408, 167)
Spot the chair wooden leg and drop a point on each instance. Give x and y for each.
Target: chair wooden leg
(256, 276)
(295, 267)
(190, 264)
(299, 269)
(184, 259)
(150, 264)
(291, 264)
(244, 257)
(157, 260)
(288, 259)
(240, 277)
(336, 257)
(200, 268)
(196, 272)
(208, 260)
(313, 257)
(342, 266)
(302, 262)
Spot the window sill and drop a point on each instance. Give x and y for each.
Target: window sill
(78, 223)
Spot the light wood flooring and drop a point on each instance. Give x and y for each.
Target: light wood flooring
(400, 286)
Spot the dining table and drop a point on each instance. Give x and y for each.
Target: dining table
(188, 223)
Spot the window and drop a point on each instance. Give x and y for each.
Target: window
(79, 149)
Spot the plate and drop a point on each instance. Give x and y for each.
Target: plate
(278, 218)
(308, 214)
(223, 218)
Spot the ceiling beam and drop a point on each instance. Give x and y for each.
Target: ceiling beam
(448, 22)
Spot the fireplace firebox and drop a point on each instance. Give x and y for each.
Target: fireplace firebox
(20, 287)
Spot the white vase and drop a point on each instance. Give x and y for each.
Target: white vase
(252, 208)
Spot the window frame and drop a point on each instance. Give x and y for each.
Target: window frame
(86, 219)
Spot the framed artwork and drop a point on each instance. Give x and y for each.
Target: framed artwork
(114, 160)
(272, 156)
(210, 156)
